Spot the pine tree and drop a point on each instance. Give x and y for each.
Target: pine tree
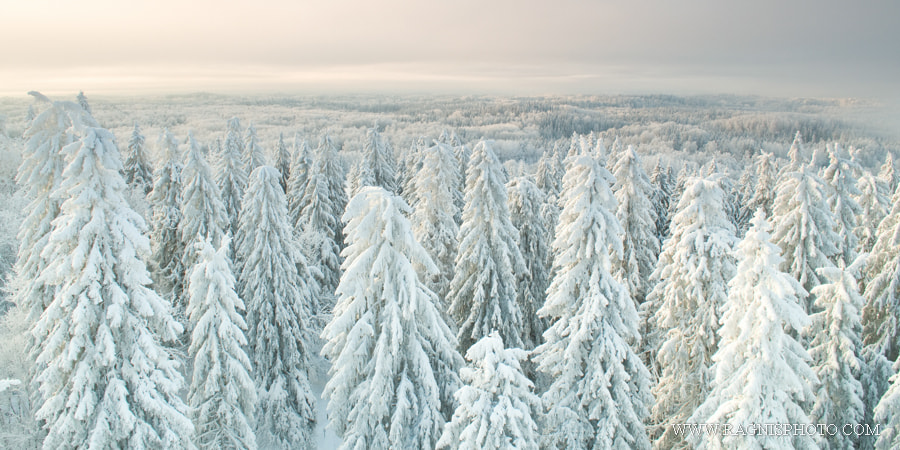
(222, 394)
(275, 283)
(301, 162)
(138, 172)
(766, 178)
(378, 161)
(283, 162)
(762, 374)
(230, 175)
(600, 393)
(659, 199)
(106, 380)
(202, 211)
(684, 308)
(835, 348)
(882, 292)
(393, 357)
(167, 246)
(804, 229)
(839, 176)
(874, 203)
(433, 218)
(483, 290)
(496, 405)
(636, 215)
(525, 202)
(253, 156)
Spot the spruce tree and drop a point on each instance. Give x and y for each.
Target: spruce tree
(83, 102)
(275, 283)
(222, 394)
(483, 290)
(684, 308)
(202, 211)
(301, 163)
(393, 357)
(230, 174)
(106, 380)
(497, 408)
(659, 199)
(882, 292)
(138, 172)
(600, 390)
(253, 156)
(283, 162)
(841, 199)
(874, 203)
(762, 374)
(166, 200)
(378, 161)
(766, 178)
(888, 173)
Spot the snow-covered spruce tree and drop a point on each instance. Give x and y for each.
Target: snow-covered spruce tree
(222, 394)
(483, 290)
(678, 190)
(330, 165)
(166, 201)
(230, 174)
(841, 199)
(83, 102)
(378, 160)
(762, 374)
(253, 156)
(659, 199)
(525, 202)
(600, 390)
(463, 154)
(804, 229)
(283, 162)
(766, 179)
(106, 380)
(887, 413)
(636, 215)
(359, 177)
(881, 324)
(743, 193)
(275, 284)
(394, 361)
(202, 211)
(874, 202)
(412, 163)
(888, 174)
(795, 155)
(550, 171)
(301, 163)
(835, 346)
(684, 308)
(497, 406)
(138, 172)
(433, 217)
(875, 378)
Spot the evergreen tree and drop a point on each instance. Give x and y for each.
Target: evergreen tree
(636, 215)
(600, 393)
(496, 405)
(393, 357)
(301, 164)
(283, 161)
(875, 379)
(874, 203)
(888, 174)
(659, 199)
(835, 347)
(882, 292)
(684, 308)
(746, 185)
(839, 176)
(83, 102)
(483, 290)
(222, 394)
(795, 154)
(525, 202)
(434, 214)
(166, 199)
(253, 156)
(202, 211)
(762, 374)
(275, 283)
(766, 178)
(106, 380)
(138, 172)
(804, 229)
(378, 161)
(230, 176)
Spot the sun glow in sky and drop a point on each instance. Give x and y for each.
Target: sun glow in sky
(777, 47)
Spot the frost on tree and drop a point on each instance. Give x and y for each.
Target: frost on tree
(483, 290)
(497, 406)
(882, 292)
(766, 178)
(275, 284)
(167, 246)
(804, 229)
(743, 193)
(433, 217)
(222, 394)
(841, 199)
(202, 211)
(600, 391)
(684, 308)
(301, 162)
(230, 174)
(762, 374)
(887, 414)
(659, 199)
(283, 162)
(637, 217)
(393, 358)
(83, 102)
(378, 162)
(106, 380)
(138, 172)
(253, 156)
(888, 174)
(835, 347)
(874, 202)
(525, 202)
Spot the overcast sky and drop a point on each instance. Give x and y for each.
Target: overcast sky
(773, 47)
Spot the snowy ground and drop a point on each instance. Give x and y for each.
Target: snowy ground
(325, 437)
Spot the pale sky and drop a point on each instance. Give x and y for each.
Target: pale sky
(832, 48)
